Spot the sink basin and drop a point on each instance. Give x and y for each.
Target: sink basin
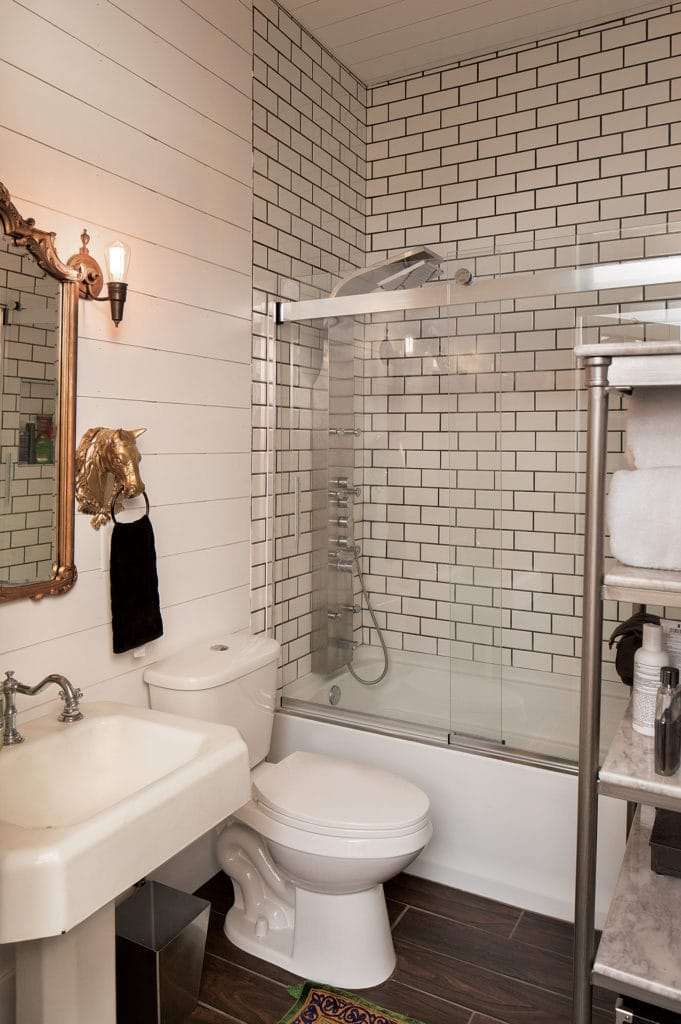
(89, 808)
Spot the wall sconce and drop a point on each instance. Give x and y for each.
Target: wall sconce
(117, 260)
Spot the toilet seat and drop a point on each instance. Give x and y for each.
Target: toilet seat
(331, 796)
(336, 808)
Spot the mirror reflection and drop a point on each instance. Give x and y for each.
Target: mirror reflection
(30, 300)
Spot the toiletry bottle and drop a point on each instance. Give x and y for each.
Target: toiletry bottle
(668, 723)
(23, 445)
(30, 430)
(648, 660)
(43, 449)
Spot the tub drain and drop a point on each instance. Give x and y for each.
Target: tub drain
(334, 694)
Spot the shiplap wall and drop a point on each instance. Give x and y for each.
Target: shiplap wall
(134, 119)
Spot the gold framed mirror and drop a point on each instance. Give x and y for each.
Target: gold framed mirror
(38, 348)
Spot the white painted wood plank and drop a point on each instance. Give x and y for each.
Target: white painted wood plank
(114, 34)
(436, 32)
(171, 428)
(186, 577)
(113, 90)
(97, 139)
(106, 370)
(440, 17)
(178, 479)
(159, 323)
(233, 17)
(222, 295)
(67, 625)
(184, 29)
(176, 277)
(84, 654)
(211, 617)
(178, 528)
(444, 27)
(346, 22)
(107, 214)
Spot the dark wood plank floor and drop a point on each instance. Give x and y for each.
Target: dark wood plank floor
(461, 959)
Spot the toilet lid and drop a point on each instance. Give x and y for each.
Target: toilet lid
(327, 794)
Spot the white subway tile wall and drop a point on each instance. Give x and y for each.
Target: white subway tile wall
(517, 154)
(309, 221)
(499, 163)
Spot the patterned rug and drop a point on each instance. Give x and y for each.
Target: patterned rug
(319, 1004)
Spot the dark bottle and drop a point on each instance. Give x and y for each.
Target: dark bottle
(668, 723)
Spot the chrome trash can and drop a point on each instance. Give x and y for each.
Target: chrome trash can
(160, 945)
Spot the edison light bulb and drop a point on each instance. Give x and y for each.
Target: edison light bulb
(117, 260)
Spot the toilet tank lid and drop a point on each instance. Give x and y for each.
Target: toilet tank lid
(212, 662)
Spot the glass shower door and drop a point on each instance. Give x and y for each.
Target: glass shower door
(475, 461)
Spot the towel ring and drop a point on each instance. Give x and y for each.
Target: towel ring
(117, 496)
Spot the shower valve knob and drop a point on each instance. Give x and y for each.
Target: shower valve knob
(344, 522)
(344, 542)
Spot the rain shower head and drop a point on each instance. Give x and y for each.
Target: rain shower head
(409, 269)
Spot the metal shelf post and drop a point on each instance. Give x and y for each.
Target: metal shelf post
(596, 368)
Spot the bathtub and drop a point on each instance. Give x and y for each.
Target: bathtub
(505, 825)
(445, 700)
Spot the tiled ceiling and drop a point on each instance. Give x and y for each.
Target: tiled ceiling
(380, 40)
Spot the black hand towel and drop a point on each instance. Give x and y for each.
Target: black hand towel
(135, 607)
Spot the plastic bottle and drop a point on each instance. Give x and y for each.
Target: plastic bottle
(649, 659)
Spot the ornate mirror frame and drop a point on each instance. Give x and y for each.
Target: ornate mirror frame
(41, 246)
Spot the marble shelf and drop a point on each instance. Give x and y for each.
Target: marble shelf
(628, 773)
(642, 586)
(639, 954)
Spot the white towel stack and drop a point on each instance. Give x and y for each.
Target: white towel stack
(644, 503)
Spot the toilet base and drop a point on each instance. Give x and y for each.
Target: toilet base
(339, 940)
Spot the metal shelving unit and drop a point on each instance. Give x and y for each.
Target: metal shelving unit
(652, 972)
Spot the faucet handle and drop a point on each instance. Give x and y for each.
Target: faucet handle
(77, 695)
(71, 712)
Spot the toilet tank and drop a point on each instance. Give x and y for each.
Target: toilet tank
(231, 680)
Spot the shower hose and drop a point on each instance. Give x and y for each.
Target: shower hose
(370, 682)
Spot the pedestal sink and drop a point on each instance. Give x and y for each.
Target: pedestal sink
(87, 809)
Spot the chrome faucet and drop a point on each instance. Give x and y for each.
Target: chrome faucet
(11, 686)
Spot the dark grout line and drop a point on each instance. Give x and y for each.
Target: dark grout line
(399, 918)
(490, 970)
(219, 1013)
(248, 970)
(515, 926)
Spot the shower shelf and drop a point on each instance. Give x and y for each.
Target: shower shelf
(642, 586)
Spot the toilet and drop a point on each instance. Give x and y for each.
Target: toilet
(308, 854)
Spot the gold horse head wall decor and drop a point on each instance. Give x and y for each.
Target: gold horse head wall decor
(107, 467)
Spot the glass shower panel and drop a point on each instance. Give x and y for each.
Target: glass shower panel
(474, 459)
(542, 506)
(374, 553)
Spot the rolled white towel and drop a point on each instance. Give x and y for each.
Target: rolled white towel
(653, 436)
(643, 517)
